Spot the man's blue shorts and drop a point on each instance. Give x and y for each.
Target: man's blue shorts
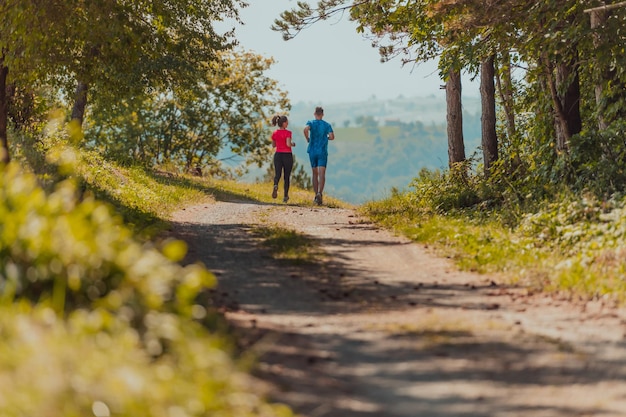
(318, 160)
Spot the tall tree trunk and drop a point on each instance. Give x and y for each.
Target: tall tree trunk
(488, 115)
(563, 135)
(567, 74)
(505, 87)
(80, 103)
(4, 109)
(456, 145)
(598, 18)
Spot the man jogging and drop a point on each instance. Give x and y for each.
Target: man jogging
(317, 133)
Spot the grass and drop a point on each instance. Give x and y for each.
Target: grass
(147, 199)
(554, 250)
(289, 245)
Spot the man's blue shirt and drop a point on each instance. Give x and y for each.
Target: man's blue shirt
(318, 136)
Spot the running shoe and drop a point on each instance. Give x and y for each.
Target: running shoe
(318, 199)
(285, 199)
(275, 191)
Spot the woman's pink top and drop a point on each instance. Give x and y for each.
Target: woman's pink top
(280, 138)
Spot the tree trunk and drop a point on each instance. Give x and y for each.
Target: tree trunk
(598, 18)
(456, 146)
(80, 103)
(488, 116)
(4, 108)
(561, 125)
(505, 87)
(567, 73)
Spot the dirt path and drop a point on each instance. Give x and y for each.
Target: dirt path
(386, 329)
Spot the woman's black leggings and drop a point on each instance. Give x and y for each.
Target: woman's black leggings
(283, 161)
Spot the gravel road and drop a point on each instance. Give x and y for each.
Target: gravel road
(385, 328)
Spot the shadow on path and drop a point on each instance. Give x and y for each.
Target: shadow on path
(341, 339)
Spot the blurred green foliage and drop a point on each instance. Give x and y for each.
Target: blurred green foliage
(94, 364)
(95, 320)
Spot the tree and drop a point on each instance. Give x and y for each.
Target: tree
(412, 29)
(488, 114)
(224, 116)
(112, 48)
(568, 63)
(606, 24)
(159, 44)
(456, 145)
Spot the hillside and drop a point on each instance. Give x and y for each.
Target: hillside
(429, 109)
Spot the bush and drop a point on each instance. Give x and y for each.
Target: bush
(94, 364)
(94, 322)
(442, 192)
(73, 253)
(595, 160)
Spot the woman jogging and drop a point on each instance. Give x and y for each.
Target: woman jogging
(283, 158)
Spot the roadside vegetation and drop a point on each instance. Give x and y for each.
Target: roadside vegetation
(571, 243)
(98, 316)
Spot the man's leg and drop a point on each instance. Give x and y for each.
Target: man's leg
(321, 179)
(315, 179)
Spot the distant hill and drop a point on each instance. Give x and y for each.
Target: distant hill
(381, 144)
(430, 109)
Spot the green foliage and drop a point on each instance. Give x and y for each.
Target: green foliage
(141, 198)
(221, 117)
(156, 43)
(571, 243)
(69, 253)
(593, 160)
(442, 192)
(95, 321)
(94, 363)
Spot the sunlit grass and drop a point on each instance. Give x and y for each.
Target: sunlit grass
(574, 255)
(146, 199)
(476, 245)
(289, 245)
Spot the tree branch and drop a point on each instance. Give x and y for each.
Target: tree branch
(292, 22)
(605, 7)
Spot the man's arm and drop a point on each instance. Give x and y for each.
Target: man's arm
(331, 136)
(307, 128)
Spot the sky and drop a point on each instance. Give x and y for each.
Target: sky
(330, 62)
